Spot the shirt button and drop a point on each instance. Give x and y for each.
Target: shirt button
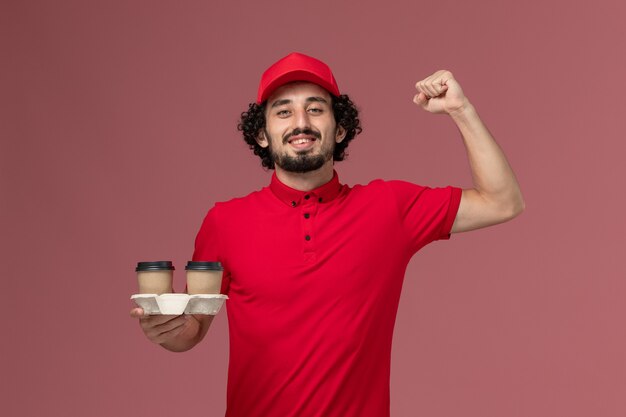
(293, 204)
(320, 199)
(307, 237)
(307, 215)
(306, 197)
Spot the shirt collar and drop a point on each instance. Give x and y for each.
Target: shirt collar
(293, 198)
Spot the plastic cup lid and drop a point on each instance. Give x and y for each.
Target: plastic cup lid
(155, 266)
(203, 266)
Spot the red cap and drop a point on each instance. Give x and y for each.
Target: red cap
(296, 67)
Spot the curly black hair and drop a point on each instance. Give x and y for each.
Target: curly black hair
(345, 112)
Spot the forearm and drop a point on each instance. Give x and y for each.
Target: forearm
(492, 175)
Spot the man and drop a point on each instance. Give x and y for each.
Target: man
(314, 268)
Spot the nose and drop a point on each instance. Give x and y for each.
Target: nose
(301, 119)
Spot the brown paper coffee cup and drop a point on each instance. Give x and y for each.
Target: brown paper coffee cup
(204, 277)
(155, 277)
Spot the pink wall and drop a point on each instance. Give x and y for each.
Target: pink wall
(118, 133)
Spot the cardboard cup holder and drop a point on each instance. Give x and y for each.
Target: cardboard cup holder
(176, 304)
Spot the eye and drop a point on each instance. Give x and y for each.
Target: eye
(282, 113)
(316, 110)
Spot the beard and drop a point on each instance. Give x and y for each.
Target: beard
(304, 161)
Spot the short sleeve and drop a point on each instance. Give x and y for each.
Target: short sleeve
(207, 246)
(427, 214)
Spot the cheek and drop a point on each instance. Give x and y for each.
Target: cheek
(277, 142)
(278, 131)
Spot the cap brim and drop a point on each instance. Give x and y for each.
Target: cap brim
(297, 75)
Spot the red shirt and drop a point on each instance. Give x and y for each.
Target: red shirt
(314, 280)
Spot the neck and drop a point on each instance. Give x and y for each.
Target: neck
(306, 181)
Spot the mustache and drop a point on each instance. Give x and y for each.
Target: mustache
(298, 131)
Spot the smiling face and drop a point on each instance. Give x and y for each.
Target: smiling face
(300, 128)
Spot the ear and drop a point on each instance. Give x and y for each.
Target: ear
(261, 139)
(340, 134)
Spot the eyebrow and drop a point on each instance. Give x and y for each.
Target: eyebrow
(308, 100)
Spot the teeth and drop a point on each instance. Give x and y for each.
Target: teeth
(299, 141)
